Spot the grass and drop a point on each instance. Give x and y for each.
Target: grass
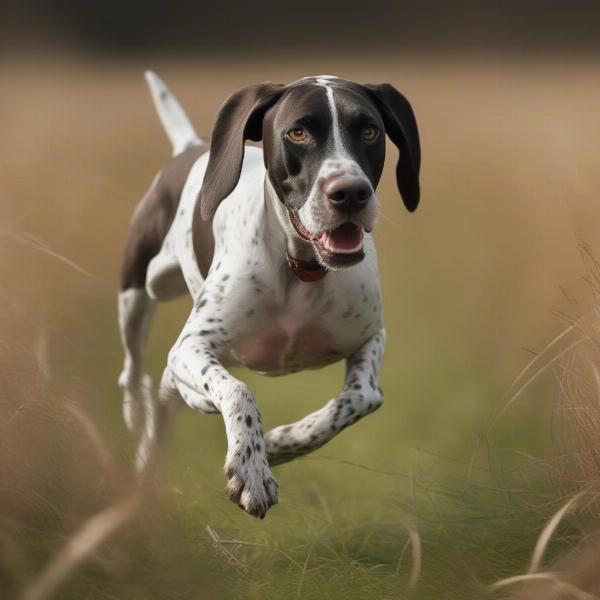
(478, 279)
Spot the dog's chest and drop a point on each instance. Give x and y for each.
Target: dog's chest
(313, 327)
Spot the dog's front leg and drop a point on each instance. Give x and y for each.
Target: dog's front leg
(361, 396)
(195, 373)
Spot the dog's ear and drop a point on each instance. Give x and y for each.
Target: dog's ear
(401, 127)
(239, 119)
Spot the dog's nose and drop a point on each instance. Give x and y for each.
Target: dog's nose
(349, 194)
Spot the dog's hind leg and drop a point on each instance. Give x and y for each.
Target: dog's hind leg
(135, 313)
(143, 413)
(140, 282)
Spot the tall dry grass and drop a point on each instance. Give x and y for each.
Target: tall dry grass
(74, 522)
(574, 356)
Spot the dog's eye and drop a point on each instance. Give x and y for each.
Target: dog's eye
(370, 133)
(298, 134)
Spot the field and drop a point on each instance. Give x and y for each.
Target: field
(425, 492)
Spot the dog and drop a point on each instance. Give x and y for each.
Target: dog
(274, 245)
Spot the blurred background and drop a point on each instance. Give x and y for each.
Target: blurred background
(430, 497)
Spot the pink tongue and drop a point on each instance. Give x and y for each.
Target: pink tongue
(345, 239)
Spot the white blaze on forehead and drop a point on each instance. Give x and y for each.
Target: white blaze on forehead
(338, 147)
(325, 81)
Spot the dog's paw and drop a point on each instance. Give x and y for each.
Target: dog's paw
(137, 401)
(250, 483)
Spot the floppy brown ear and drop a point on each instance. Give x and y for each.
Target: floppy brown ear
(239, 119)
(401, 127)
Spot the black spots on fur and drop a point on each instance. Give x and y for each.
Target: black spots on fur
(218, 266)
(238, 418)
(206, 331)
(201, 303)
(257, 283)
(250, 312)
(328, 305)
(225, 277)
(204, 369)
(184, 338)
(248, 421)
(248, 451)
(356, 316)
(286, 429)
(207, 387)
(372, 382)
(347, 313)
(356, 386)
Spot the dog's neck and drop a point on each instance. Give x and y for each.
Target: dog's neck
(277, 217)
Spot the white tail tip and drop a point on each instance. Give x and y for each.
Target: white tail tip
(177, 125)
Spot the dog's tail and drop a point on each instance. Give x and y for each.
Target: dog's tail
(179, 129)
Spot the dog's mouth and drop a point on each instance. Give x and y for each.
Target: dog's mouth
(340, 246)
(345, 239)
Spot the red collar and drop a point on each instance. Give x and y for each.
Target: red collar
(306, 271)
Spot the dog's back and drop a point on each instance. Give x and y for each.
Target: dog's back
(155, 213)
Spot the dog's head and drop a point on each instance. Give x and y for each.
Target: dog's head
(324, 149)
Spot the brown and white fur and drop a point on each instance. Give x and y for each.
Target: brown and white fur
(220, 225)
